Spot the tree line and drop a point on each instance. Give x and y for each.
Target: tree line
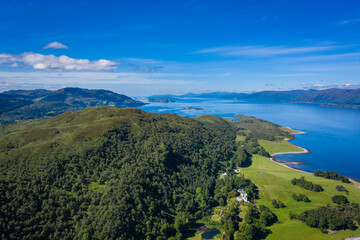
(301, 182)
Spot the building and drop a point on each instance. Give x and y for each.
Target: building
(243, 195)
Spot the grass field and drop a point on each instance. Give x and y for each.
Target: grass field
(282, 146)
(273, 181)
(198, 237)
(289, 130)
(240, 138)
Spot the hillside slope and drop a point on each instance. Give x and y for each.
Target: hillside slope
(18, 105)
(110, 173)
(332, 96)
(25, 94)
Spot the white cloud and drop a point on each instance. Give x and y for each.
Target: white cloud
(261, 51)
(6, 58)
(55, 45)
(52, 62)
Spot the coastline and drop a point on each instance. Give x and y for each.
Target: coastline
(305, 151)
(282, 163)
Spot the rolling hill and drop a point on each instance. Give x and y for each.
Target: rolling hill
(18, 105)
(109, 173)
(333, 96)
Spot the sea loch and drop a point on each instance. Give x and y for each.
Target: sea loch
(332, 134)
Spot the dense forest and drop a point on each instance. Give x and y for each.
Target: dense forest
(341, 217)
(107, 173)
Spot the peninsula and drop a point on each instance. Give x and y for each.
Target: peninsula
(129, 169)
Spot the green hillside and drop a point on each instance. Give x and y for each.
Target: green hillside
(110, 173)
(19, 105)
(273, 181)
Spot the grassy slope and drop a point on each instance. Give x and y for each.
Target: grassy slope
(273, 181)
(263, 129)
(289, 130)
(282, 146)
(65, 129)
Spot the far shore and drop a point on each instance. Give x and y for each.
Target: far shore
(304, 151)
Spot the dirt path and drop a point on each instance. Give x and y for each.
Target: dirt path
(242, 217)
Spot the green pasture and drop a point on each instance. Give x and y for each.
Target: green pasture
(273, 181)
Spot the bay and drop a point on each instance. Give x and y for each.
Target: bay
(332, 134)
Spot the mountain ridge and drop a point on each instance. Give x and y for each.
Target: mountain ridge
(327, 97)
(18, 105)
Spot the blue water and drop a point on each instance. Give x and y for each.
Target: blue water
(210, 233)
(332, 134)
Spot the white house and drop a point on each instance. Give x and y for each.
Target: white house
(243, 195)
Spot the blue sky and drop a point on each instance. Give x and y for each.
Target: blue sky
(156, 47)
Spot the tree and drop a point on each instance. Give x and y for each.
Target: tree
(340, 199)
(311, 222)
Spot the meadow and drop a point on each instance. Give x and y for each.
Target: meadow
(273, 181)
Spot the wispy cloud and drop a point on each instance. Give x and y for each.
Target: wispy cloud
(328, 67)
(296, 74)
(327, 86)
(270, 85)
(142, 61)
(144, 64)
(49, 79)
(148, 69)
(348, 21)
(263, 51)
(55, 45)
(329, 57)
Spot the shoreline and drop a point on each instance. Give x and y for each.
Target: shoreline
(305, 151)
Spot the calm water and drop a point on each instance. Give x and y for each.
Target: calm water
(332, 134)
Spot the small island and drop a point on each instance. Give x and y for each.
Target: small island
(162, 99)
(193, 108)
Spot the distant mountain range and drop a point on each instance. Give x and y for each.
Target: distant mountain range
(327, 97)
(40, 103)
